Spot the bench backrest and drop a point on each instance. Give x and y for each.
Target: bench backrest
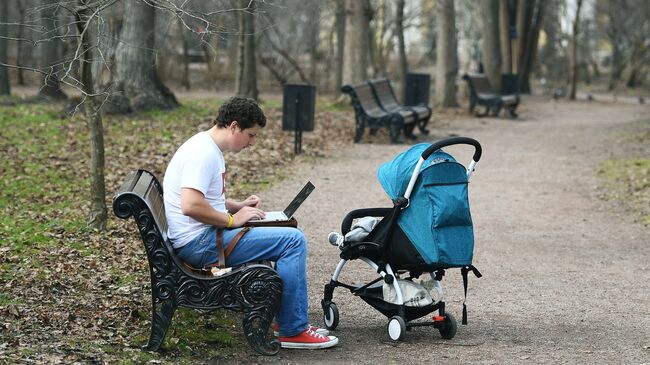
(141, 196)
(363, 95)
(385, 95)
(479, 84)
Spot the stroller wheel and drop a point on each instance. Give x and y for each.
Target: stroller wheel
(396, 328)
(331, 316)
(448, 331)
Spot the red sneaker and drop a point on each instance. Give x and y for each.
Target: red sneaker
(308, 339)
(320, 331)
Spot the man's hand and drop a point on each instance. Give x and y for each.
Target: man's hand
(245, 214)
(252, 201)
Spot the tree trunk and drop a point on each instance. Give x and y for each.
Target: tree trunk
(19, 50)
(529, 54)
(247, 73)
(399, 32)
(615, 33)
(185, 79)
(49, 55)
(428, 31)
(340, 43)
(491, 51)
(548, 56)
(574, 52)
(357, 37)
(137, 76)
(97, 216)
(447, 63)
(5, 88)
(314, 40)
(523, 25)
(504, 36)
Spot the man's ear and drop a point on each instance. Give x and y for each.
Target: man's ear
(233, 126)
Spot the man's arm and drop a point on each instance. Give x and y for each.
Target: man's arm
(193, 204)
(234, 206)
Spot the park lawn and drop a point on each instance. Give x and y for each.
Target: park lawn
(628, 176)
(72, 294)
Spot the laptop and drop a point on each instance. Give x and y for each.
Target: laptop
(288, 212)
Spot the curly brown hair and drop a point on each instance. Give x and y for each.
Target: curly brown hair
(245, 111)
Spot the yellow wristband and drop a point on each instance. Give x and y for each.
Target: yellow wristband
(231, 220)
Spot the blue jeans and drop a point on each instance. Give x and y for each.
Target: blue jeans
(286, 246)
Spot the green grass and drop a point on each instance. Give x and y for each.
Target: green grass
(628, 180)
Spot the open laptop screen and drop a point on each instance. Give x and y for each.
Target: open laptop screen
(297, 201)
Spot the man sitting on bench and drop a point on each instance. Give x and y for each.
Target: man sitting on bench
(196, 207)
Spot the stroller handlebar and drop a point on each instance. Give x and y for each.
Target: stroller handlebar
(359, 213)
(452, 141)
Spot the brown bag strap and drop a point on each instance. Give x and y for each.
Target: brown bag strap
(235, 240)
(223, 254)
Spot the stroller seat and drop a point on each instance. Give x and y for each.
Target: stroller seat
(427, 231)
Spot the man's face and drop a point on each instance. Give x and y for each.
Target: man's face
(242, 138)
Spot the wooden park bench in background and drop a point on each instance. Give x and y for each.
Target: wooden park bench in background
(252, 289)
(385, 95)
(368, 113)
(482, 93)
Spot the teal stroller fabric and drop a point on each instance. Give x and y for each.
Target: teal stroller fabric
(437, 220)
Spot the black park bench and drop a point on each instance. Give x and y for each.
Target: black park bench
(482, 93)
(368, 113)
(385, 94)
(252, 289)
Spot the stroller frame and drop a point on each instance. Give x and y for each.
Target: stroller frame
(401, 316)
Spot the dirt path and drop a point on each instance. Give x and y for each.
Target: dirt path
(566, 275)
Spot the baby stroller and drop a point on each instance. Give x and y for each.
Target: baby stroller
(428, 230)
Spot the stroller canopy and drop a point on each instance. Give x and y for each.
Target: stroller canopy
(437, 221)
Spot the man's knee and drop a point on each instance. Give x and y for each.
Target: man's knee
(298, 239)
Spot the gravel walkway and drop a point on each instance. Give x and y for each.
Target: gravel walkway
(566, 275)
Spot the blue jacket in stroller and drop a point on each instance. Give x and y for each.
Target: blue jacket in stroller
(437, 221)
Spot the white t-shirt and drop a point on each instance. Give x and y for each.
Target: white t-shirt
(198, 164)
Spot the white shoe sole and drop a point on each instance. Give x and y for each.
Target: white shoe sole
(310, 346)
(320, 331)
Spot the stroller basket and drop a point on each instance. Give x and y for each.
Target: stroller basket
(428, 230)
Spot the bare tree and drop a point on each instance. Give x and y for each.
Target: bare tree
(554, 65)
(314, 14)
(5, 88)
(49, 52)
(628, 25)
(357, 19)
(97, 215)
(401, 46)
(491, 50)
(247, 73)
(574, 52)
(447, 60)
(136, 74)
(504, 36)
(340, 43)
(529, 21)
(428, 28)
